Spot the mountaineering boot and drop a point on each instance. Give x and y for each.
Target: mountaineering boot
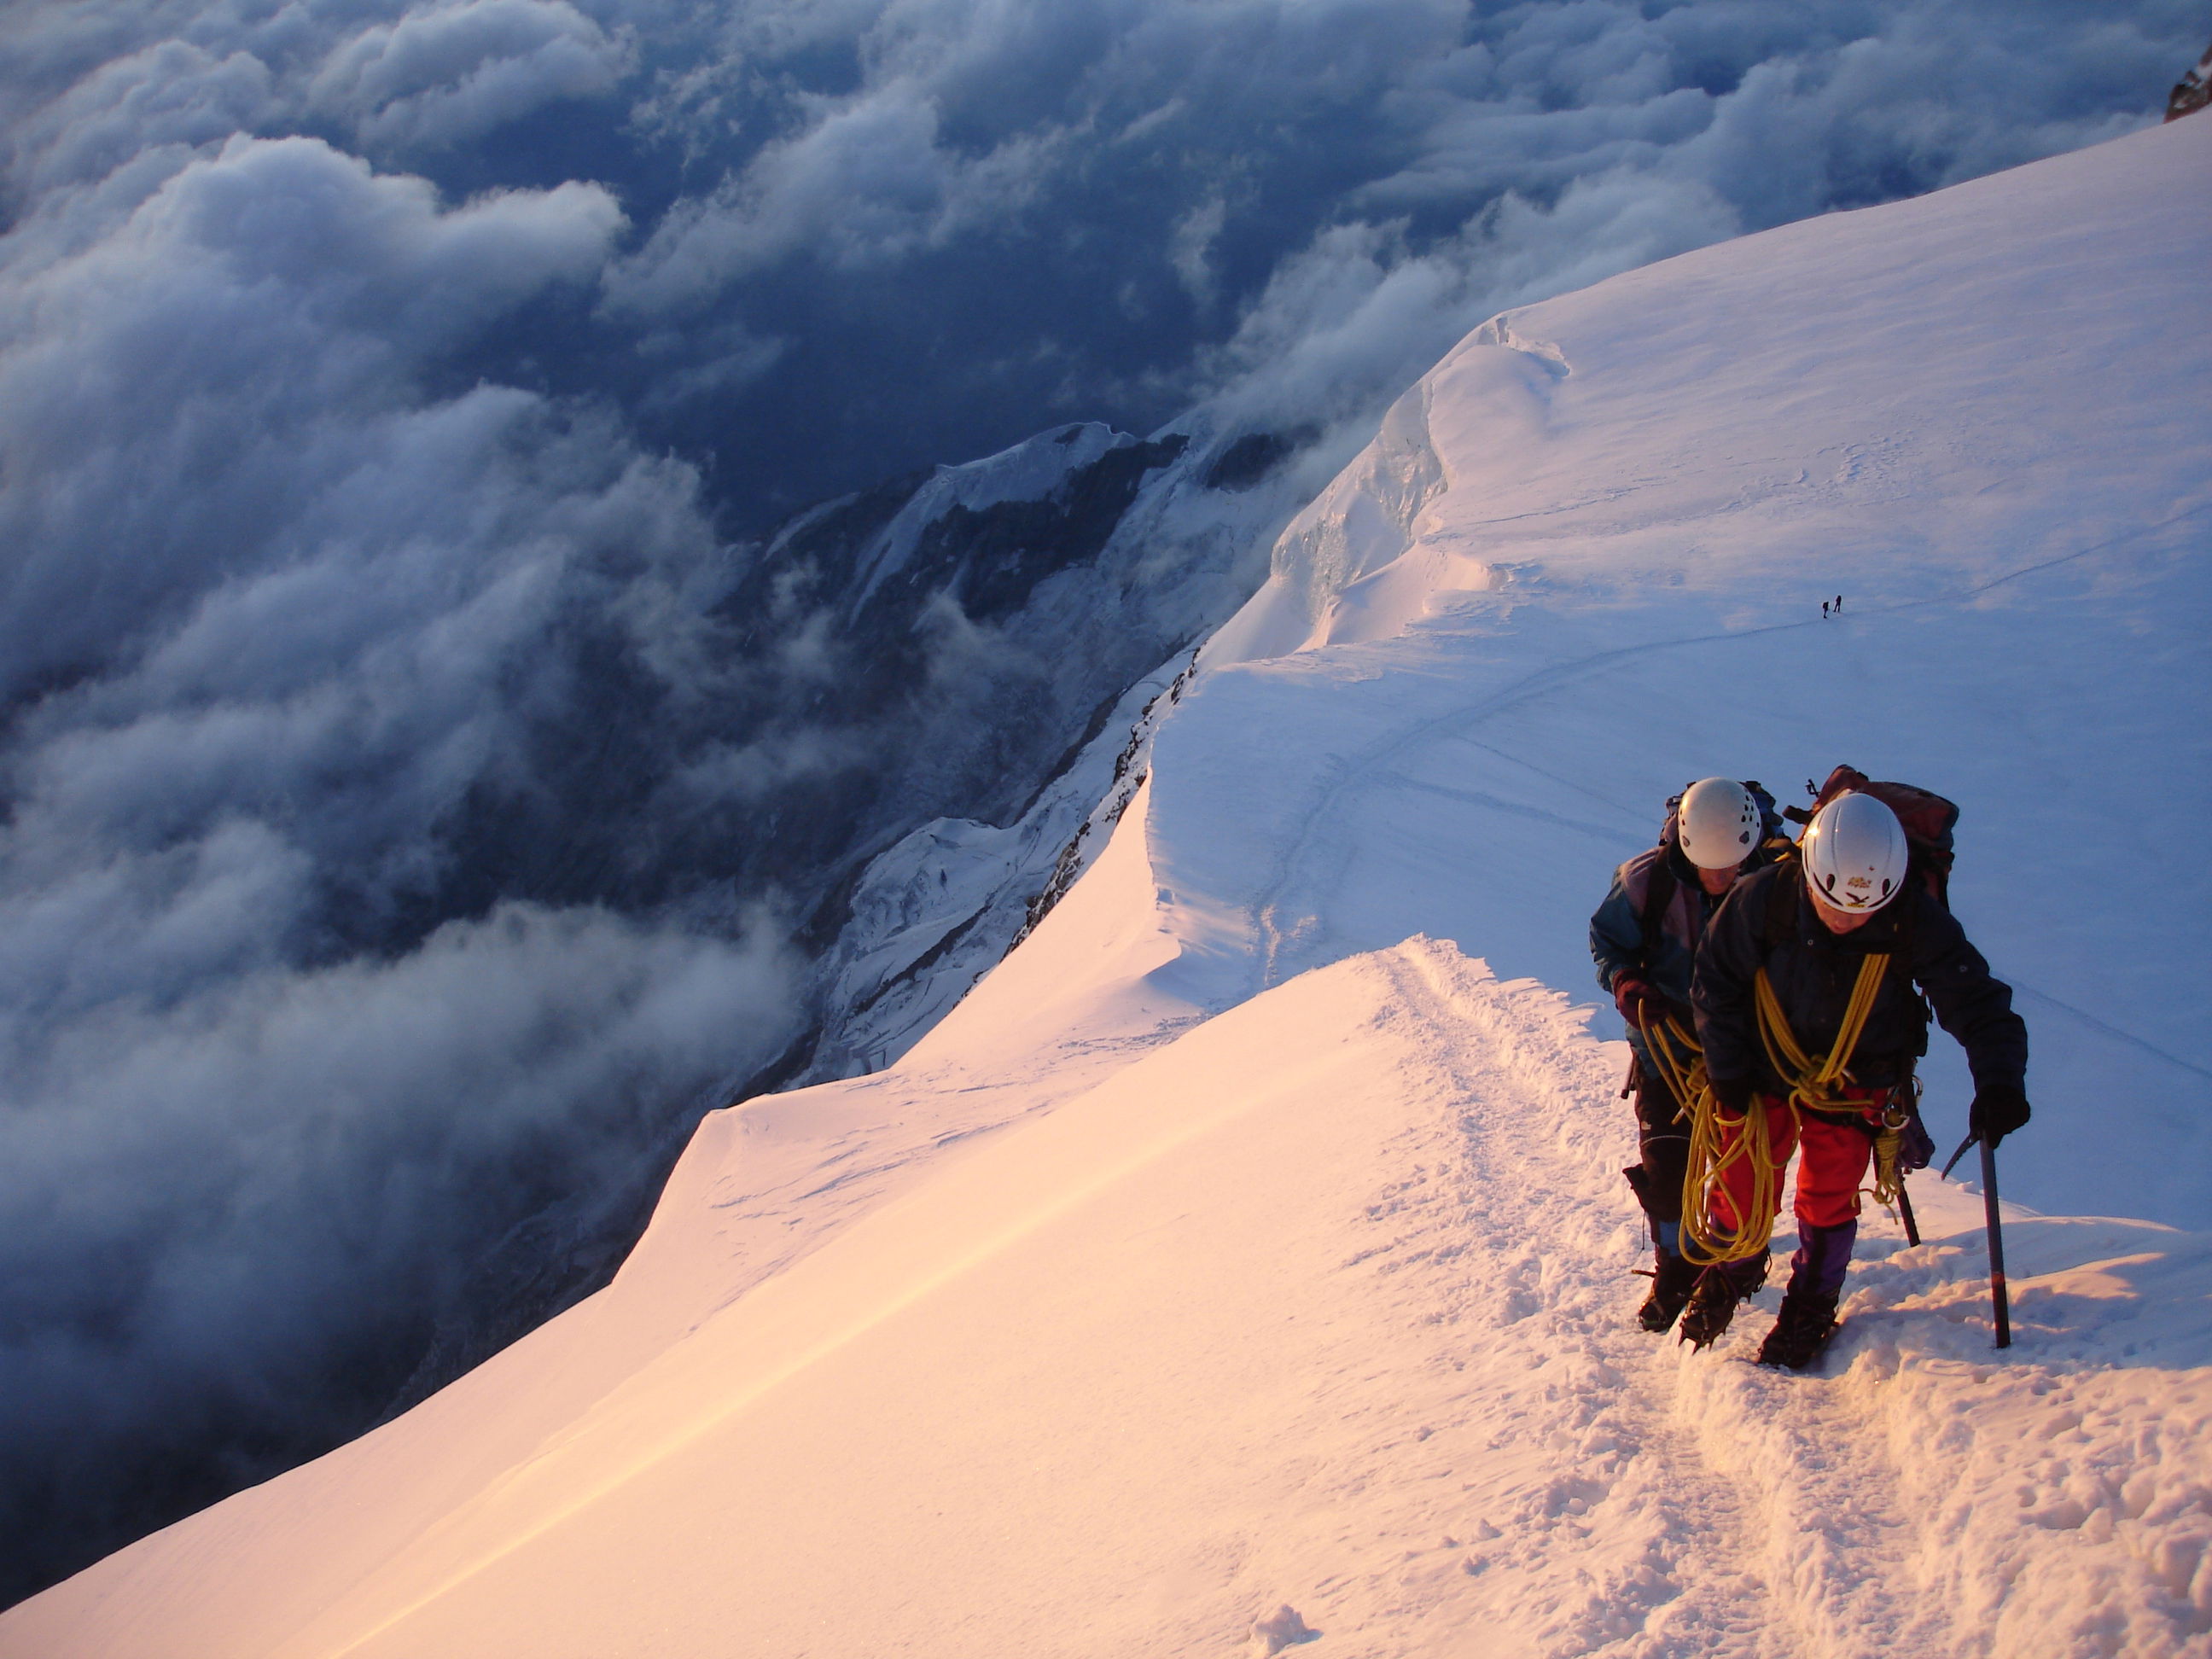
(1712, 1304)
(1713, 1299)
(1671, 1280)
(1803, 1329)
(1751, 1276)
(1809, 1306)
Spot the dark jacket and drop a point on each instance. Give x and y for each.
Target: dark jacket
(1812, 971)
(1616, 930)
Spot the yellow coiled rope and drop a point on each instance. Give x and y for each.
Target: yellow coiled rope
(1888, 1189)
(1677, 1058)
(1812, 1085)
(1809, 1084)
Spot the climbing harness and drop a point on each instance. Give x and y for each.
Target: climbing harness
(1813, 1085)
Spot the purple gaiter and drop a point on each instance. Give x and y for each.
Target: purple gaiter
(1823, 1252)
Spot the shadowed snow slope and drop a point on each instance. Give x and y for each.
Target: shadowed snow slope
(1241, 1262)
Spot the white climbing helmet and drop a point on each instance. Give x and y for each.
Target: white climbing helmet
(1855, 855)
(1717, 823)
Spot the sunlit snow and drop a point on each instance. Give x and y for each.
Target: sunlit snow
(1243, 1266)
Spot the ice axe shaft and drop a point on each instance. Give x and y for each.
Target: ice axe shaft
(1998, 1298)
(1904, 1214)
(2000, 1301)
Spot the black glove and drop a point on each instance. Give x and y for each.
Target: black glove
(1998, 1109)
(1732, 1095)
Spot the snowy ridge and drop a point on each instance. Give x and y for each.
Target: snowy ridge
(1484, 1448)
(1356, 564)
(1363, 523)
(940, 909)
(2057, 1500)
(1242, 1261)
(2003, 457)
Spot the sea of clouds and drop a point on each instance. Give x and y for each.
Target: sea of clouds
(388, 393)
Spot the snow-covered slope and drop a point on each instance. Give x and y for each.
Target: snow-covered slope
(1240, 1261)
(1585, 562)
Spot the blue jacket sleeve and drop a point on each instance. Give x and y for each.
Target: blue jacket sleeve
(1616, 931)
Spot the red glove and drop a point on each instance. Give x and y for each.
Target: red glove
(1639, 1003)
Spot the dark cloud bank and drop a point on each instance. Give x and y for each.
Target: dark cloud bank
(425, 790)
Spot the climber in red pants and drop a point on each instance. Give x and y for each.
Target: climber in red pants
(1806, 1006)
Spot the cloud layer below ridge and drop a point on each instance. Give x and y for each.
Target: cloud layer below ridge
(388, 391)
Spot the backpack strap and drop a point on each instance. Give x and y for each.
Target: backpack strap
(1781, 918)
(1658, 894)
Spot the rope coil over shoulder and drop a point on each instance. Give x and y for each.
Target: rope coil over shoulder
(1813, 1085)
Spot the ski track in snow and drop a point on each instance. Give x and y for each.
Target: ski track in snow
(1529, 1209)
(1680, 1505)
(1288, 938)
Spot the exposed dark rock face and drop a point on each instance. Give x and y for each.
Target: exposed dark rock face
(990, 561)
(2193, 91)
(1252, 458)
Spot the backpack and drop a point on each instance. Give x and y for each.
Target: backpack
(1929, 821)
(1659, 892)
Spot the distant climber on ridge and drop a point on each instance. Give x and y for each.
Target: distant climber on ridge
(1805, 1007)
(1644, 940)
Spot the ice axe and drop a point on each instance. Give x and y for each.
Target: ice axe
(1998, 1298)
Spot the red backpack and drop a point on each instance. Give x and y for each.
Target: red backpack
(1928, 820)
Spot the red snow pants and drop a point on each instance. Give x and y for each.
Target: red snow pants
(1837, 1151)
